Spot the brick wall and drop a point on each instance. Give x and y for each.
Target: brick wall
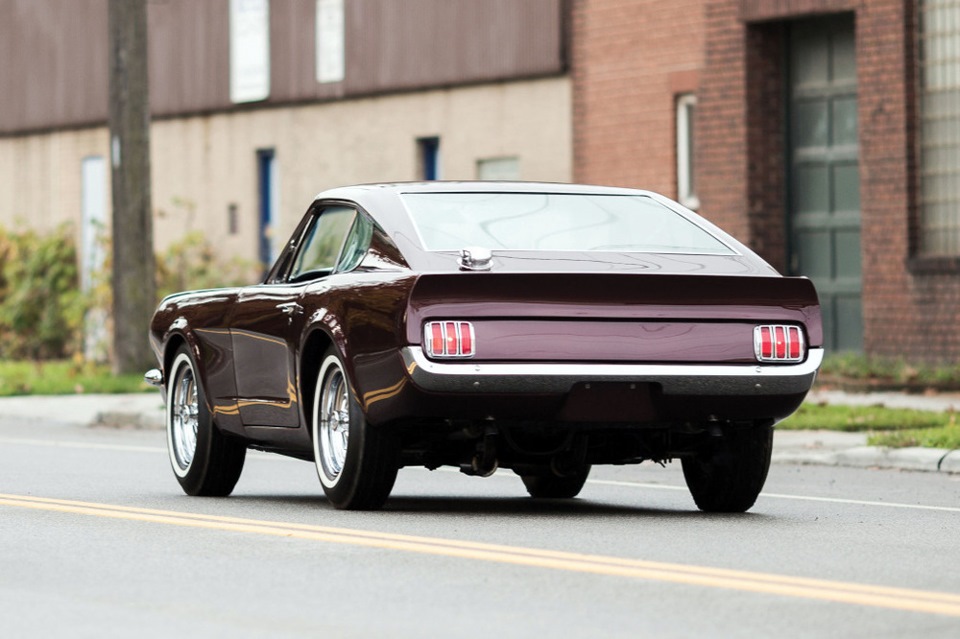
(624, 55)
(766, 141)
(885, 94)
(629, 60)
(722, 121)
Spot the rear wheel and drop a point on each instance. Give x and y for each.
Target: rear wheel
(204, 460)
(357, 464)
(554, 487)
(728, 476)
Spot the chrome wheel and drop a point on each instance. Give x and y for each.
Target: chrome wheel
(204, 460)
(333, 436)
(357, 464)
(184, 415)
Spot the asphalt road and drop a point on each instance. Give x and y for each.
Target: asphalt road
(97, 540)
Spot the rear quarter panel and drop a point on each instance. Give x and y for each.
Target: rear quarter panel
(363, 314)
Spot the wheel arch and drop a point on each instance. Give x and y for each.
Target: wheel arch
(174, 342)
(311, 358)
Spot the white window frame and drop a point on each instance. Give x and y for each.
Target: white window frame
(249, 50)
(330, 41)
(939, 135)
(686, 178)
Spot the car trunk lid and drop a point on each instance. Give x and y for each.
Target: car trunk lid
(613, 317)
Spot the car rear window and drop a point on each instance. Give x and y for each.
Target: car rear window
(555, 222)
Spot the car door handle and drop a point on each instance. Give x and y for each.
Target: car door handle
(290, 308)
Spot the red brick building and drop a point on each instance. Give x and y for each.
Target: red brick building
(824, 133)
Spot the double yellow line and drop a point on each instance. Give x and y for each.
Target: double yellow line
(770, 584)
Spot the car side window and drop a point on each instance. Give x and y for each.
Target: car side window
(322, 244)
(356, 245)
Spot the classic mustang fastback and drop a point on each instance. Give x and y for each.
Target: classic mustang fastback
(543, 328)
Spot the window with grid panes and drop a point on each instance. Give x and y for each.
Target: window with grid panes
(940, 127)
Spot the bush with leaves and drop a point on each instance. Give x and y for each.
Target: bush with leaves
(192, 263)
(41, 307)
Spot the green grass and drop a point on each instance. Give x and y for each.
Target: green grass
(853, 419)
(894, 427)
(64, 378)
(944, 437)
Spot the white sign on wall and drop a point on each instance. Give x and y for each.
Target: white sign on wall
(249, 50)
(330, 41)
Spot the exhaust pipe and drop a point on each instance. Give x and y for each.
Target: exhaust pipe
(484, 462)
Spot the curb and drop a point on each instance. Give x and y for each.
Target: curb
(126, 420)
(930, 460)
(950, 462)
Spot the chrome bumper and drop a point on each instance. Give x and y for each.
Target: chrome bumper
(674, 379)
(154, 377)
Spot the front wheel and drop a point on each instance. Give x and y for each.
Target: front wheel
(205, 461)
(356, 463)
(727, 476)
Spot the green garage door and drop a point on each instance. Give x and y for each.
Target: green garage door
(824, 180)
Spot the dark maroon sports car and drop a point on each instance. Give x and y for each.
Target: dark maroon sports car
(543, 328)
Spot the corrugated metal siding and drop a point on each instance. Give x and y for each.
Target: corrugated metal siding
(53, 63)
(419, 43)
(393, 45)
(54, 53)
(293, 73)
(189, 55)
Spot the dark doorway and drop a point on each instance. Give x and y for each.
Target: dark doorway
(267, 196)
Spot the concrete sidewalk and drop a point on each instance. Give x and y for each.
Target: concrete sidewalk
(134, 410)
(145, 411)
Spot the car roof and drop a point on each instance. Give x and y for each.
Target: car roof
(384, 203)
(493, 186)
(361, 192)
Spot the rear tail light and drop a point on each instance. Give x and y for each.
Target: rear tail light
(779, 343)
(449, 339)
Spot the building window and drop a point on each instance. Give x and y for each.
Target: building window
(686, 168)
(233, 218)
(498, 169)
(249, 50)
(428, 158)
(940, 127)
(330, 41)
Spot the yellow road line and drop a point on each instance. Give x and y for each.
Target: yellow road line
(834, 591)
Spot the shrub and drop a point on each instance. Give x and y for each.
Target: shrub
(192, 263)
(41, 306)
